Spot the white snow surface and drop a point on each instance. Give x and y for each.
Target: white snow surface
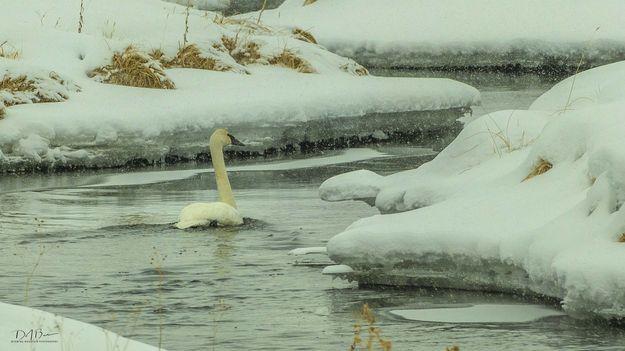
(459, 32)
(151, 123)
(472, 214)
(50, 332)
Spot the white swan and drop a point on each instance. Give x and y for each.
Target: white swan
(225, 211)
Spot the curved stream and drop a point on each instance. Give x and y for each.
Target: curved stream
(109, 256)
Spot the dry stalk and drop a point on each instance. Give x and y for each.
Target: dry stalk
(81, 18)
(303, 35)
(186, 25)
(136, 69)
(373, 332)
(308, 2)
(540, 168)
(8, 54)
(289, 59)
(243, 52)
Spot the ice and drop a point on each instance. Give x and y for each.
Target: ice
(456, 33)
(473, 218)
(308, 250)
(487, 313)
(53, 332)
(337, 269)
(141, 178)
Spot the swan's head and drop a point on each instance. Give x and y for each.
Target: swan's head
(222, 136)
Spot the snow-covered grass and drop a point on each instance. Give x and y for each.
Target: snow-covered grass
(481, 216)
(505, 34)
(222, 72)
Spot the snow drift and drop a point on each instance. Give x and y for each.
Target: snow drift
(474, 219)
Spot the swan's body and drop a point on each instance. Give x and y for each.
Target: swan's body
(225, 211)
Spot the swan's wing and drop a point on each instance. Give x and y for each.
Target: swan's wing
(201, 213)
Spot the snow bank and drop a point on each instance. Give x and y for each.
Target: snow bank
(109, 125)
(479, 223)
(30, 329)
(452, 33)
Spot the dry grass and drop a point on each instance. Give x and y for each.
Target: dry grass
(308, 2)
(3, 110)
(7, 52)
(23, 89)
(540, 168)
(355, 68)
(373, 332)
(243, 52)
(289, 59)
(453, 348)
(190, 56)
(304, 36)
(621, 238)
(134, 68)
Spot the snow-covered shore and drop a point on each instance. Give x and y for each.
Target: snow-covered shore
(98, 124)
(27, 328)
(521, 201)
(505, 34)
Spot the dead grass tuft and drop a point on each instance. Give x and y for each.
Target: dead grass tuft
(3, 111)
(453, 348)
(158, 55)
(243, 52)
(304, 36)
(373, 332)
(621, 238)
(355, 69)
(289, 59)
(7, 52)
(134, 68)
(308, 2)
(190, 57)
(542, 167)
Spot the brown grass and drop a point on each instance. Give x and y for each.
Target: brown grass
(135, 69)
(621, 238)
(355, 69)
(373, 332)
(308, 2)
(7, 52)
(158, 55)
(453, 348)
(243, 52)
(3, 111)
(540, 168)
(22, 83)
(190, 56)
(304, 36)
(289, 59)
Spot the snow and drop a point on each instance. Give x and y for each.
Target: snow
(337, 269)
(54, 332)
(425, 33)
(473, 220)
(487, 313)
(102, 125)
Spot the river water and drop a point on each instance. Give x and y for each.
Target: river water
(108, 255)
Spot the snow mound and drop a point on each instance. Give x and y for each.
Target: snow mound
(32, 329)
(108, 125)
(474, 221)
(535, 35)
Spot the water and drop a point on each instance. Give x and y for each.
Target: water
(110, 256)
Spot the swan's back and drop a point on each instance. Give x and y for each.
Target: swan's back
(203, 213)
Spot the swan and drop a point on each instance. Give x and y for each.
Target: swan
(224, 212)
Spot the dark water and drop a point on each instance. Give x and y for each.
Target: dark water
(109, 256)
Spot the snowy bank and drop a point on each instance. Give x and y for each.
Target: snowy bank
(251, 80)
(507, 34)
(522, 201)
(25, 328)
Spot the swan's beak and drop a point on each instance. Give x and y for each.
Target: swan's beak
(235, 141)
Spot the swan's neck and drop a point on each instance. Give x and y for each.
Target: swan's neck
(219, 165)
